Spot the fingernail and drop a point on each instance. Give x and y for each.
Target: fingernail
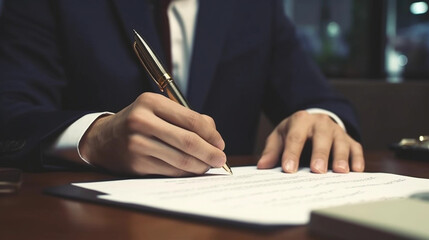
(290, 166)
(319, 166)
(342, 166)
(358, 167)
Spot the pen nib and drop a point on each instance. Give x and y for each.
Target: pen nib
(227, 168)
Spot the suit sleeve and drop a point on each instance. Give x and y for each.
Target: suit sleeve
(32, 79)
(296, 83)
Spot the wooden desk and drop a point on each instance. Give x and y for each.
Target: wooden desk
(30, 214)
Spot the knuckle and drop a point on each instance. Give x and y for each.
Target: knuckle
(132, 120)
(213, 137)
(146, 98)
(184, 162)
(135, 121)
(301, 114)
(340, 134)
(135, 146)
(210, 120)
(324, 124)
(295, 137)
(325, 118)
(213, 159)
(193, 120)
(189, 141)
(138, 143)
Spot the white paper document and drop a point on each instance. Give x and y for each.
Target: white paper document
(263, 197)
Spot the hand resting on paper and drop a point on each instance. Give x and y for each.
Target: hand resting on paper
(288, 138)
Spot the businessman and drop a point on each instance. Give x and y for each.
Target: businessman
(73, 90)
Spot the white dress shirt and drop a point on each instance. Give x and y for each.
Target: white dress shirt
(182, 19)
(181, 16)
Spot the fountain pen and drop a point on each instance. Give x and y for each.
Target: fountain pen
(161, 77)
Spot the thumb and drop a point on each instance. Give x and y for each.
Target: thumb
(272, 151)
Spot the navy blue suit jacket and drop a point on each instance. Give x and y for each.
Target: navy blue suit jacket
(61, 59)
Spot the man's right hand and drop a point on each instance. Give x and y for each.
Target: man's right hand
(154, 135)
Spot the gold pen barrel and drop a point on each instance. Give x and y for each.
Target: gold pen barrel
(174, 94)
(157, 72)
(150, 62)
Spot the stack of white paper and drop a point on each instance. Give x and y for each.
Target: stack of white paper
(266, 197)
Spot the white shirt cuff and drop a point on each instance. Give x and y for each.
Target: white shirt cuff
(329, 113)
(67, 144)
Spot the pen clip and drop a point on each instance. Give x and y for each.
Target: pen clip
(160, 82)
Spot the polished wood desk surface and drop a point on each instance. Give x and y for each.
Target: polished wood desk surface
(30, 214)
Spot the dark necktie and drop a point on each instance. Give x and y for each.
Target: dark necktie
(161, 17)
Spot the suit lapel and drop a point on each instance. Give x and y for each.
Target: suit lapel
(210, 32)
(137, 14)
(213, 18)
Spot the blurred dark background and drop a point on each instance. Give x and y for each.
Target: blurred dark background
(384, 39)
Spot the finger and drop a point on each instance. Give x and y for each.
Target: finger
(294, 144)
(296, 132)
(322, 144)
(188, 119)
(150, 165)
(145, 146)
(341, 151)
(357, 158)
(188, 142)
(194, 145)
(198, 124)
(210, 120)
(272, 150)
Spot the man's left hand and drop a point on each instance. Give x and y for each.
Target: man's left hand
(287, 140)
